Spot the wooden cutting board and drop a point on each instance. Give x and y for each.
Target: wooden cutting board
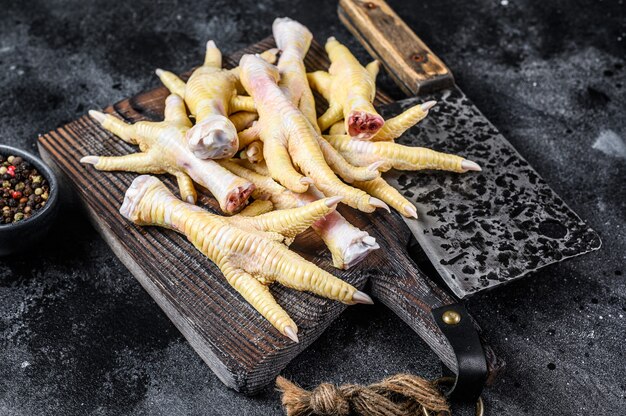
(239, 345)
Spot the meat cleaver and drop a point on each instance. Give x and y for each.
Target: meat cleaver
(478, 230)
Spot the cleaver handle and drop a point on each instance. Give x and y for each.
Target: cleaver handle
(407, 59)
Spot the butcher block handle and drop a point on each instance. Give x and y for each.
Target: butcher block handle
(411, 64)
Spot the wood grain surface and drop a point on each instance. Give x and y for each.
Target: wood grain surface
(407, 59)
(239, 345)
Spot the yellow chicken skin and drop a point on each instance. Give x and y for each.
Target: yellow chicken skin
(248, 250)
(349, 89)
(347, 244)
(254, 152)
(394, 127)
(397, 156)
(211, 95)
(249, 144)
(338, 128)
(385, 192)
(290, 141)
(164, 150)
(348, 172)
(243, 119)
(294, 40)
(257, 207)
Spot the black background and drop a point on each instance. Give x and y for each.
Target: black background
(80, 336)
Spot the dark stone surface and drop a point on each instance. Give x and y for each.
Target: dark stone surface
(80, 336)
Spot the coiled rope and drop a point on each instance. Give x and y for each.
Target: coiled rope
(398, 395)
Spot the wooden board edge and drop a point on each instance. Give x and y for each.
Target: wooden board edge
(304, 343)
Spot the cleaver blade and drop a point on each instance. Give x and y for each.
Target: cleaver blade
(482, 229)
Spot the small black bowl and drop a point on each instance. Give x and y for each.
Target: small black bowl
(19, 236)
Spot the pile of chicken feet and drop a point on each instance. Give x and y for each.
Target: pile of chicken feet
(257, 135)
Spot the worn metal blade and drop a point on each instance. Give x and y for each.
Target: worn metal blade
(482, 229)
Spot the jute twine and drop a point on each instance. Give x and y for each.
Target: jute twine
(398, 395)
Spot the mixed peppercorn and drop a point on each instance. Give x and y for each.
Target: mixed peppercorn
(24, 189)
